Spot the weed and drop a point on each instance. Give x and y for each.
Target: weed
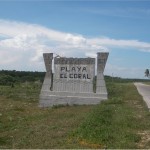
(59, 106)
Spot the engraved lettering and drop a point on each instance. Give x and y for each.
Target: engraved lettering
(61, 75)
(67, 70)
(84, 76)
(84, 69)
(79, 68)
(74, 69)
(62, 68)
(88, 77)
(70, 75)
(75, 76)
(79, 76)
(65, 75)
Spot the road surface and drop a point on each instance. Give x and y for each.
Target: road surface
(144, 90)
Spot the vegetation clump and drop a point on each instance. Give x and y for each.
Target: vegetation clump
(8, 77)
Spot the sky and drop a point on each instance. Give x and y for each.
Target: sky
(76, 28)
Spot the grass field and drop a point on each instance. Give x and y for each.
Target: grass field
(148, 83)
(123, 121)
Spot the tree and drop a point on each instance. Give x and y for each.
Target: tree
(6, 80)
(147, 73)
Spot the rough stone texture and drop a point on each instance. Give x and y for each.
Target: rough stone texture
(68, 71)
(101, 62)
(48, 65)
(73, 81)
(57, 100)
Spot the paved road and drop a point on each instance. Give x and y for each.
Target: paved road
(144, 90)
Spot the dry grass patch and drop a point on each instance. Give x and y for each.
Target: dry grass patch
(121, 122)
(145, 140)
(116, 123)
(24, 125)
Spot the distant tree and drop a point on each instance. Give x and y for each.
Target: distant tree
(6, 80)
(147, 73)
(7, 77)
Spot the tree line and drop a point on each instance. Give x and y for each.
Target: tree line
(9, 77)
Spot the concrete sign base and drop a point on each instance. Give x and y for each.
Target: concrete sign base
(72, 82)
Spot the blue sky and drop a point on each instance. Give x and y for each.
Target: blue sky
(76, 29)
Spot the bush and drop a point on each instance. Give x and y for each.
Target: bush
(6, 80)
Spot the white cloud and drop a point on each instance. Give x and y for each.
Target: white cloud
(124, 72)
(7, 59)
(22, 45)
(31, 41)
(142, 46)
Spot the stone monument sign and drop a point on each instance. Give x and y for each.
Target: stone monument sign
(72, 81)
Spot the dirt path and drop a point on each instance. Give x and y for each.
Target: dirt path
(144, 90)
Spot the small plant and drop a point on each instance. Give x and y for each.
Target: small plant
(59, 106)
